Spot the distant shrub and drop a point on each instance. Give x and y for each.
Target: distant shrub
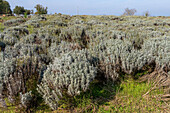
(146, 13)
(129, 12)
(20, 10)
(40, 9)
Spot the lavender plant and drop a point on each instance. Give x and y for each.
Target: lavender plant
(71, 72)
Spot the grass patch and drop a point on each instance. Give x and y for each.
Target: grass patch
(30, 29)
(2, 27)
(130, 98)
(98, 94)
(126, 96)
(11, 108)
(3, 19)
(8, 18)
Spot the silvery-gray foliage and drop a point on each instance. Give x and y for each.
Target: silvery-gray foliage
(26, 99)
(112, 40)
(16, 31)
(159, 48)
(12, 35)
(14, 22)
(64, 47)
(16, 72)
(117, 56)
(6, 67)
(34, 21)
(59, 23)
(21, 50)
(51, 30)
(48, 35)
(74, 32)
(71, 72)
(110, 54)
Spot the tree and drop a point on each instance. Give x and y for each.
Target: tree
(28, 12)
(20, 10)
(32, 11)
(146, 13)
(1, 6)
(5, 7)
(129, 12)
(40, 9)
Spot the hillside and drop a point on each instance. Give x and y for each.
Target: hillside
(62, 63)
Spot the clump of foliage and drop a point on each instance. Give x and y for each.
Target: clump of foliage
(5, 7)
(129, 12)
(15, 78)
(71, 73)
(1, 27)
(21, 10)
(14, 22)
(40, 9)
(147, 14)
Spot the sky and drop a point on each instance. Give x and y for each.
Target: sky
(98, 7)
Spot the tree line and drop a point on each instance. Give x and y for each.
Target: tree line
(5, 9)
(19, 10)
(39, 10)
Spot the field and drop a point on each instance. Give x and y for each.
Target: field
(83, 63)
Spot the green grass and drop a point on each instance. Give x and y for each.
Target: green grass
(8, 18)
(11, 108)
(31, 29)
(130, 98)
(2, 27)
(123, 97)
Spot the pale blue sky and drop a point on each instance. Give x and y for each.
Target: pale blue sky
(98, 7)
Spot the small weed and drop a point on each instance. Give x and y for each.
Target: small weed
(130, 98)
(1, 27)
(31, 29)
(8, 18)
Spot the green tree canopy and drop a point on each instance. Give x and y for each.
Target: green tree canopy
(5, 7)
(40, 9)
(1, 6)
(28, 12)
(20, 10)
